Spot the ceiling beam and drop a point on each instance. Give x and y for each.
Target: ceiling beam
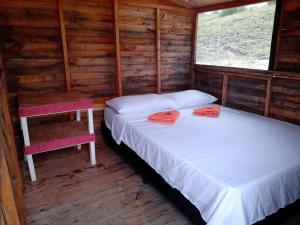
(227, 5)
(156, 5)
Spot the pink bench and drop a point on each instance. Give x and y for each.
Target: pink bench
(49, 137)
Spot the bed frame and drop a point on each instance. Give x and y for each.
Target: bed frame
(150, 176)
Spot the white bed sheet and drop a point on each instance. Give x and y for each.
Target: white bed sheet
(236, 169)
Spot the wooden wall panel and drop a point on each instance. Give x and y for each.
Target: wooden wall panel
(242, 93)
(137, 44)
(247, 94)
(285, 101)
(31, 46)
(7, 202)
(210, 83)
(36, 55)
(90, 40)
(11, 196)
(30, 42)
(248, 91)
(288, 55)
(250, 94)
(176, 46)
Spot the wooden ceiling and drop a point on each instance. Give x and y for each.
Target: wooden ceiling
(198, 3)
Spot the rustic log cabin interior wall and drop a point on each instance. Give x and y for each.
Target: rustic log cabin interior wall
(101, 48)
(121, 47)
(273, 93)
(11, 201)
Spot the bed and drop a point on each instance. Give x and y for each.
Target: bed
(236, 169)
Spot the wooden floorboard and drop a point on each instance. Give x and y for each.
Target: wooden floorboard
(70, 191)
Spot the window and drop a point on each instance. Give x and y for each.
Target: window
(236, 37)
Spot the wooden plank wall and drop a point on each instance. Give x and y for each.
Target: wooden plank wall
(11, 197)
(31, 47)
(285, 101)
(99, 47)
(249, 89)
(8, 208)
(176, 47)
(137, 43)
(272, 93)
(90, 40)
(287, 57)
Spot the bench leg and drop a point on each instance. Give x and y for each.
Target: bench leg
(78, 118)
(28, 158)
(31, 167)
(92, 153)
(91, 131)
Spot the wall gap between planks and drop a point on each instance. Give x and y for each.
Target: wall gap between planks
(118, 71)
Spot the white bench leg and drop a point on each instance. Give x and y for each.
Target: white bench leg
(28, 158)
(78, 119)
(24, 128)
(92, 153)
(91, 131)
(31, 167)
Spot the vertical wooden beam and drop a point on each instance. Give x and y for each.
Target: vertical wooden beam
(225, 89)
(64, 45)
(194, 44)
(8, 204)
(158, 77)
(276, 36)
(13, 161)
(268, 96)
(2, 217)
(228, 4)
(117, 50)
(11, 150)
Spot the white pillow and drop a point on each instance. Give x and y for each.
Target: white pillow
(140, 103)
(190, 98)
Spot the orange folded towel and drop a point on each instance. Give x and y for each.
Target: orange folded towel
(168, 117)
(210, 111)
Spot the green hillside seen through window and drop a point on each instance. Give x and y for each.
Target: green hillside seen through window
(236, 37)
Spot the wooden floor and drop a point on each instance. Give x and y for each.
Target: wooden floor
(70, 191)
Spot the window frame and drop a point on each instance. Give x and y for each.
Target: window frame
(275, 38)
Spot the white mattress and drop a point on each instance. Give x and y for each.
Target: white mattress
(236, 169)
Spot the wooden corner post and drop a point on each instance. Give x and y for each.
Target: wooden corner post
(64, 45)
(268, 96)
(158, 76)
(193, 50)
(225, 89)
(117, 49)
(9, 148)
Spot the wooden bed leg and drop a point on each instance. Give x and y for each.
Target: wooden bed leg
(78, 119)
(91, 131)
(31, 167)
